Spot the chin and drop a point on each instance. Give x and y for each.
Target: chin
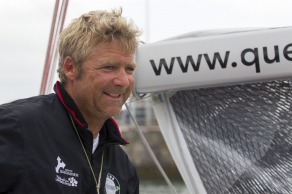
(114, 112)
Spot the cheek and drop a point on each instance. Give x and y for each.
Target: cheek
(131, 86)
(131, 81)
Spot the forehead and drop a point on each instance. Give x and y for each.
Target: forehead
(111, 52)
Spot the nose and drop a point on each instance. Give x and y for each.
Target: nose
(123, 79)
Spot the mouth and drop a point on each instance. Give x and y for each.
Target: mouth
(113, 95)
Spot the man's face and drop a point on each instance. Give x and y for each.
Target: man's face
(105, 83)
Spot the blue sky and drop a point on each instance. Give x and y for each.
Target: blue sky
(25, 27)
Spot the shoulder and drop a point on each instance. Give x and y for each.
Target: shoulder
(29, 106)
(31, 101)
(31, 113)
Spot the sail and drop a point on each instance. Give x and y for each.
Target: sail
(228, 133)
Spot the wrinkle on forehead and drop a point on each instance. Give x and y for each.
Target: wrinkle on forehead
(111, 47)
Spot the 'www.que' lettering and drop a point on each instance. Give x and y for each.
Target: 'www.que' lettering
(248, 57)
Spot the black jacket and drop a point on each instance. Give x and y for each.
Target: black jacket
(40, 152)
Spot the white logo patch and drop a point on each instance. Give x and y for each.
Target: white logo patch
(65, 176)
(112, 185)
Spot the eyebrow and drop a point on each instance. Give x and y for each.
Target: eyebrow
(112, 62)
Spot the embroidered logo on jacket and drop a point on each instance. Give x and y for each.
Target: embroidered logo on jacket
(65, 176)
(112, 185)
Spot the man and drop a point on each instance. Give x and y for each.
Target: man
(67, 142)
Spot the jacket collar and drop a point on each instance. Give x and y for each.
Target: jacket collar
(110, 131)
(69, 104)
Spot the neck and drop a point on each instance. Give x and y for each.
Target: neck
(94, 122)
(94, 125)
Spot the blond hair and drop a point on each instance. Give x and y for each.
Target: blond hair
(91, 29)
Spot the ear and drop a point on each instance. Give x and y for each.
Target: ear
(69, 68)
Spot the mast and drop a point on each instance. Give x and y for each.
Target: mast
(51, 55)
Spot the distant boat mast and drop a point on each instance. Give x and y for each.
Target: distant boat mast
(51, 55)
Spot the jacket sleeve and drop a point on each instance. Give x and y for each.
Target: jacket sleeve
(11, 146)
(133, 187)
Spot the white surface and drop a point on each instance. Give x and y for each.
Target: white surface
(250, 64)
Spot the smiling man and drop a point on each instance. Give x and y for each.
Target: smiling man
(68, 142)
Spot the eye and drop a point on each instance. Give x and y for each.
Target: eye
(130, 69)
(109, 67)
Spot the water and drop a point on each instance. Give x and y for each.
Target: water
(160, 187)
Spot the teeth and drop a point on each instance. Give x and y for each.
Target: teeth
(113, 95)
